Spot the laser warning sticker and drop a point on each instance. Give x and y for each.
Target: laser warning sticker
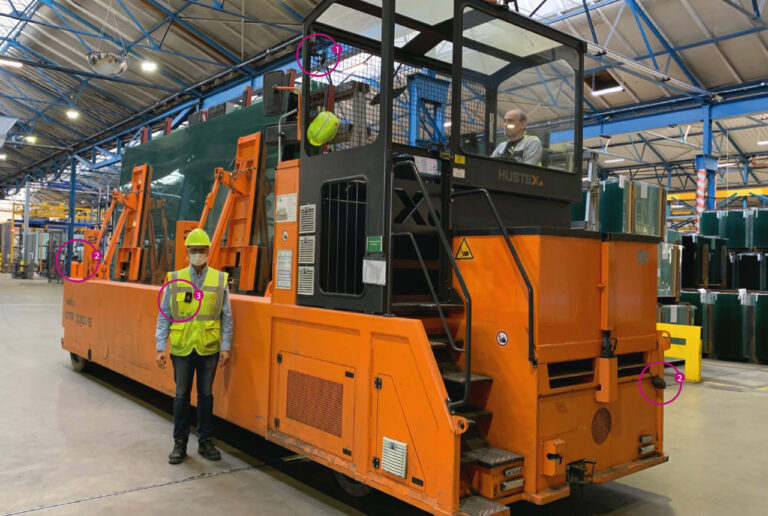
(464, 252)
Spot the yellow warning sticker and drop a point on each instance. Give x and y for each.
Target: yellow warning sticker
(458, 158)
(464, 252)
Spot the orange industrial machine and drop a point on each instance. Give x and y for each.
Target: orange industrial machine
(432, 327)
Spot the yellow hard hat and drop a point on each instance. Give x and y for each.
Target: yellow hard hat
(323, 128)
(197, 237)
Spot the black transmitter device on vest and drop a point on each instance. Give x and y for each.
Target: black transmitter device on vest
(188, 297)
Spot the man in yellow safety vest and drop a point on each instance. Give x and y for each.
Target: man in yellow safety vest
(199, 322)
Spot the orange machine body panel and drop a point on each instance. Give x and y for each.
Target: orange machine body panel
(554, 404)
(286, 233)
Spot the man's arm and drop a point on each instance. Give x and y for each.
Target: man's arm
(498, 150)
(226, 323)
(163, 324)
(532, 152)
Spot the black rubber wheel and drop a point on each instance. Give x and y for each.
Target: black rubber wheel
(78, 363)
(351, 487)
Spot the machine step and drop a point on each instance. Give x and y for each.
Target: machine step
(424, 308)
(472, 413)
(442, 343)
(457, 377)
(480, 506)
(490, 457)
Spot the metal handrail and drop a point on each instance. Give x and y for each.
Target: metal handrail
(467, 299)
(531, 354)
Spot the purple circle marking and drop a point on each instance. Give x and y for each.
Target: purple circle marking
(334, 48)
(679, 378)
(195, 294)
(56, 262)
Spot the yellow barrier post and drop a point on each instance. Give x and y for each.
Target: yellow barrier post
(690, 350)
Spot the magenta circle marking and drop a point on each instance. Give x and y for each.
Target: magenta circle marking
(195, 294)
(678, 374)
(56, 262)
(334, 48)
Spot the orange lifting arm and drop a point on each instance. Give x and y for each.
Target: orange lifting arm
(210, 199)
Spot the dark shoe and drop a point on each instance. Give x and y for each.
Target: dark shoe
(208, 450)
(178, 453)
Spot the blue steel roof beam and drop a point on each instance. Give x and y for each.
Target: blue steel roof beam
(642, 33)
(247, 19)
(745, 12)
(589, 20)
(136, 22)
(731, 140)
(578, 12)
(20, 24)
(48, 93)
(657, 32)
(207, 39)
(49, 120)
(56, 6)
(63, 104)
(84, 82)
(652, 149)
(107, 37)
(289, 10)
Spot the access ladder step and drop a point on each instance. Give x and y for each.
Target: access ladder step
(472, 413)
(458, 377)
(443, 343)
(421, 308)
(481, 506)
(490, 457)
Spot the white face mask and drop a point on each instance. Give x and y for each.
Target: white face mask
(198, 259)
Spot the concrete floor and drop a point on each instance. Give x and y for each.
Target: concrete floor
(97, 443)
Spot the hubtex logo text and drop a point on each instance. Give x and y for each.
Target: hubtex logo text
(511, 176)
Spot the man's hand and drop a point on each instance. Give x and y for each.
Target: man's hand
(160, 359)
(223, 358)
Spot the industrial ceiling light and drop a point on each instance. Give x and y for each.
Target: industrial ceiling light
(148, 66)
(764, 142)
(614, 160)
(3, 157)
(31, 138)
(606, 91)
(10, 64)
(107, 63)
(73, 114)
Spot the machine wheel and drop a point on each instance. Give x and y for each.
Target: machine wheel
(351, 487)
(78, 363)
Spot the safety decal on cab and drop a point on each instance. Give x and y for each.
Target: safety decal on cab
(464, 252)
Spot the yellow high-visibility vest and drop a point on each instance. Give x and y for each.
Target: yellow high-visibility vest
(203, 333)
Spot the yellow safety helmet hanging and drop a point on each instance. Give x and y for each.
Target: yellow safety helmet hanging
(197, 237)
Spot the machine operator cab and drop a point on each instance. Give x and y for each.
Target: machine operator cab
(467, 93)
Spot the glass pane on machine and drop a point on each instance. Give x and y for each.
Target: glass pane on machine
(430, 12)
(534, 80)
(353, 21)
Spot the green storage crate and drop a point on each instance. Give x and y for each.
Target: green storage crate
(749, 271)
(579, 209)
(682, 313)
(759, 228)
(733, 317)
(736, 228)
(703, 301)
(673, 236)
(669, 270)
(615, 206)
(649, 206)
(717, 258)
(695, 269)
(710, 223)
(761, 326)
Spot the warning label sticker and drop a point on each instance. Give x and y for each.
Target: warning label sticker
(464, 252)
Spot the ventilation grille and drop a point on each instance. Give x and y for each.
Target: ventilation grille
(601, 425)
(315, 402)
(572, 372)
(306, 281)
(307, 218)
(307, 249)
(394, 455)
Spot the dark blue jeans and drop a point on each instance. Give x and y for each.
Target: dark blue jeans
(183, 371)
